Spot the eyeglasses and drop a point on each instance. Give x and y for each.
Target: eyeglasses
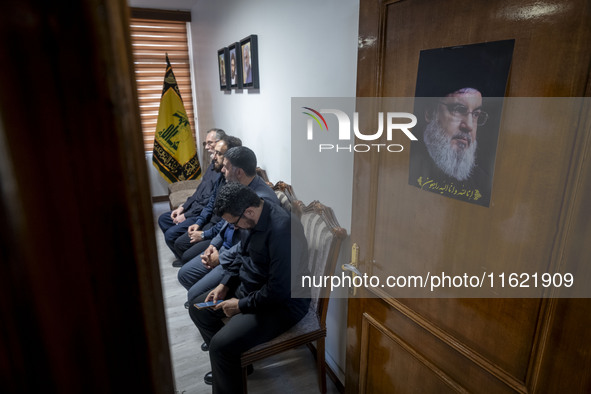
(209, 143)
(461, 111)
(239, 217)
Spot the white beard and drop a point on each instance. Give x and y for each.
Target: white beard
(455, 163)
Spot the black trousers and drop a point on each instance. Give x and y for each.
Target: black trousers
(228, 341)
(188, 250)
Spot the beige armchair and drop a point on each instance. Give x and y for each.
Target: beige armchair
(178, 192)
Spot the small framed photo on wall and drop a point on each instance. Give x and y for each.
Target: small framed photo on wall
(250, 62)
(223, 67)
(235, 66)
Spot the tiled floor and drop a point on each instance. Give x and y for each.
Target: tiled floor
(293, 371)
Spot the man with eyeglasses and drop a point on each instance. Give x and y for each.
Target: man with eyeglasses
(458, 102)
(450, 135)
(255, 287)
(189, 245)
(203, 272)
(446, 160)
(174, 223)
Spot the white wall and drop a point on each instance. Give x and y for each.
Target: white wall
(307, 48)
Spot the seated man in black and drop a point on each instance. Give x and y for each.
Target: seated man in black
(256, 287)
(185, 245)
(239, 166)
(174, 223)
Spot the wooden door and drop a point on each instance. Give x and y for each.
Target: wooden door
(80, 294)
(537, 218)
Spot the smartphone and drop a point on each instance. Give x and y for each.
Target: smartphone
(208, 304)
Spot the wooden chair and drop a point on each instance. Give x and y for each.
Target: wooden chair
(263, 174)
(285, 195)
(324, 236)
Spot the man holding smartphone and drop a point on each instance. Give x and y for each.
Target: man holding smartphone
(255, 287)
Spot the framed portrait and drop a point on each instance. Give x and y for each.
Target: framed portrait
(235, 70)
(458, 102)
(250, 62)
(223, 67)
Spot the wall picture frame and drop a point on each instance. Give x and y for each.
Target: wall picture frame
(235, 70)
(223, 68)
(250, 62)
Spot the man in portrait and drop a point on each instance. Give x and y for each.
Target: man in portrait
(247, 71)
(233, 71)
(222, 70)
(458, 105)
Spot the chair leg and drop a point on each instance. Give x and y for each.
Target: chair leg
(321, 365)
(244, 379)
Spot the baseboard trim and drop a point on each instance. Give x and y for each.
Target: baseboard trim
(159, 198)
(333, 376)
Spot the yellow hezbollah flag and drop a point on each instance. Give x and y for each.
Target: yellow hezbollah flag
(175, 153)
